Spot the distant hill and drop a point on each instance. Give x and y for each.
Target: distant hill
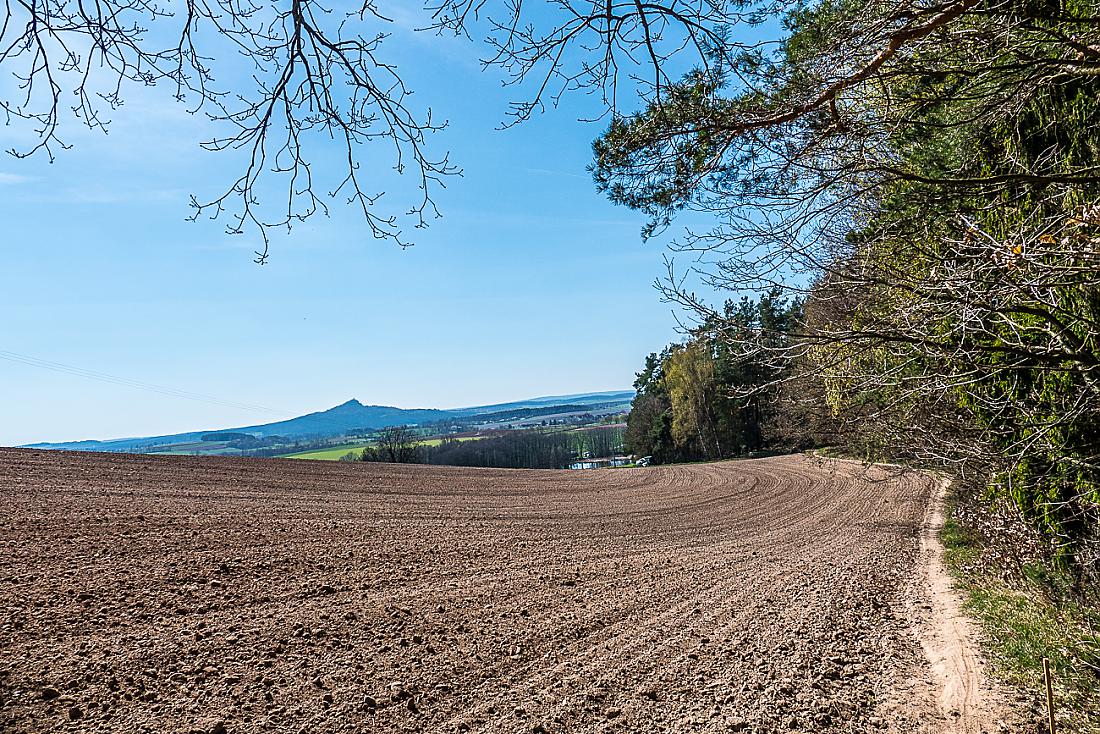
(352, 416)
(588, 398)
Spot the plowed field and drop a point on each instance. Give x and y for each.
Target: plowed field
(173, 594)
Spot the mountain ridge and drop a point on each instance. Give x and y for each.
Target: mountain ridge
(350, 415)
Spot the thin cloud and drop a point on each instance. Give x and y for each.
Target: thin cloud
(11, 179)
(548, 172)
(227, 245)
(97, 194)
(101, 195)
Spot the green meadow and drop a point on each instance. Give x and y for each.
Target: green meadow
(335, 453)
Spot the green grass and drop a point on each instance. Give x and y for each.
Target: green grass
(330, 454)
(961, 547)
(335, 453)
(437, 441)
(1022, 623)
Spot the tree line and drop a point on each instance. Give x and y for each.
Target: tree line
(924, 180)
(531, 448)
(703, 399)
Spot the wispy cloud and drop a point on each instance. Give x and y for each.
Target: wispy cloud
(405, 19)
(98, 194)
(548, 172)
(228, 244)
(10, 179)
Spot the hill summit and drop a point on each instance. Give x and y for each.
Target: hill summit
(352, 416)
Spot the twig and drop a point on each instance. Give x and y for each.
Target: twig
(1050, 696)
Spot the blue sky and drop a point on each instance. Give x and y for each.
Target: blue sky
(531, 284)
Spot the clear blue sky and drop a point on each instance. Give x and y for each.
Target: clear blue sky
(531, 284)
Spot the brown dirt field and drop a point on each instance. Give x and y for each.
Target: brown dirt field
(176, 594)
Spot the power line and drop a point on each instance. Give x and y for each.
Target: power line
(126, 382)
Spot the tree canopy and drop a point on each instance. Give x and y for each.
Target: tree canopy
(925, 176)
(706, 399)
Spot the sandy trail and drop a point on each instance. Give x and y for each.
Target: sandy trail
(967, 702)
(173, 594)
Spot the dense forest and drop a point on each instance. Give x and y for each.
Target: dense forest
(529, 448)
(702, 399)
(922, 183)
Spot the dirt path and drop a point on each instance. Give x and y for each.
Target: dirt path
(966, 701)
(171, 594)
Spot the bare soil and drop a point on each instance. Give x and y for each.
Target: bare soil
(949, 692)
(173, 594)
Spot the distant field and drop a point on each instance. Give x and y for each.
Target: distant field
(336, 452)
(189, 447)
(332, 454)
